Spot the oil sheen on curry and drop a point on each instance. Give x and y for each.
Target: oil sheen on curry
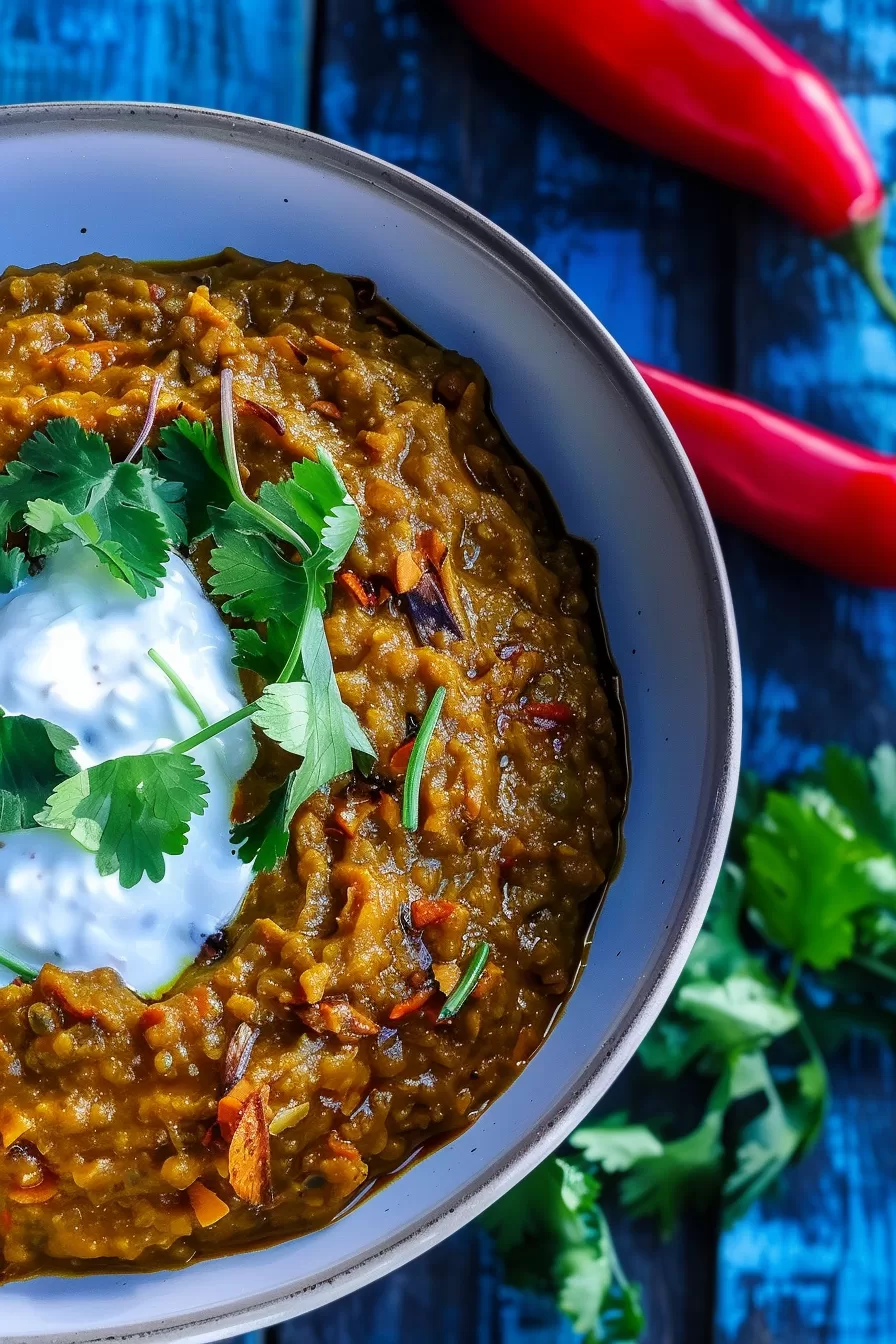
(311, 764)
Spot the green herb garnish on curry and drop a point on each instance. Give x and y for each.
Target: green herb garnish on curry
(302, 715)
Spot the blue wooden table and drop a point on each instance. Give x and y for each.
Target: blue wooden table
(687, 275)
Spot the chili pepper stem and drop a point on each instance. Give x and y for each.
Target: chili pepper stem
(861, 246)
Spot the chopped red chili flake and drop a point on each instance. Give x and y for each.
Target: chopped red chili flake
(401, 755)
(328, 409)
(426, 911)
(547, 712)
(362, 590)
(432, 544)
(272, 418)
(340, 1147)
(297, 351)
(411, 1005)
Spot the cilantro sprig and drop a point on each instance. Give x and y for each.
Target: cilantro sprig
(133, 811)
(64, 486)
(554, 1238)
(798, 949)
(130, 811)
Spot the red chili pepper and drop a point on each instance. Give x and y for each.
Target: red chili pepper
(704, 83)
(830, 502)
(412, 1005)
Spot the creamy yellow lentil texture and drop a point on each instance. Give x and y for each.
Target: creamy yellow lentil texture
(302, 1057)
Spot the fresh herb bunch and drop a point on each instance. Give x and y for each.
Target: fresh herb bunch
(798, 949)
(133, 811)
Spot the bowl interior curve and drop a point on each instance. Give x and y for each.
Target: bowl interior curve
(156, 182)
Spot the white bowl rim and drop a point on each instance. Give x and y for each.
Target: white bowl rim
(609, 1057)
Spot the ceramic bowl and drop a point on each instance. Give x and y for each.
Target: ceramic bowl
(161, 181)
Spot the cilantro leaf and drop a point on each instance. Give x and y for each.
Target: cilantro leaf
(290, 715)
(553, 1238)
(130, 811)
(131, 543)
(11, 565)
(308, 719)
(264, 839)
(788, 1124)
(744, 1011)
(361, 746)
(725, 1000)
(62, 462)
(614, 1145)
(316, 503)
(189, 456)
(267, 655)
(35, 756)
(251, 573)
(166, 500)
(810, 874)
(250, 569)
(64, 485)
(876, 932)
(866, 791)
(686, 1173)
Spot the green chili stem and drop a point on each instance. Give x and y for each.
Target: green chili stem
(182, 690)
(17, 967)
(410, 802)
(467, 983)
(270, 520)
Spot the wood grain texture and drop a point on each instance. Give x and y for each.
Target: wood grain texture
(248, 56)
(813, 1262)
(690, 276)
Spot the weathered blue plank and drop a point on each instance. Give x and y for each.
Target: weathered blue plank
(248, 56)
(400, 79)
(814, 1260)
(652, 250)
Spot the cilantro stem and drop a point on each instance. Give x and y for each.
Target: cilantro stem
(269, 520)
(296, 652)
(149, 421)
(213, 729)
(467, 983)
(17, 967)
(182, 690)
(610, 1246)
(410, 802)
(875, 966)
(792, 977)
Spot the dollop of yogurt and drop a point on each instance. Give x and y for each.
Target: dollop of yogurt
(74, 644)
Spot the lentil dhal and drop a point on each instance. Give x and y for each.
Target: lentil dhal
(303, 1056)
